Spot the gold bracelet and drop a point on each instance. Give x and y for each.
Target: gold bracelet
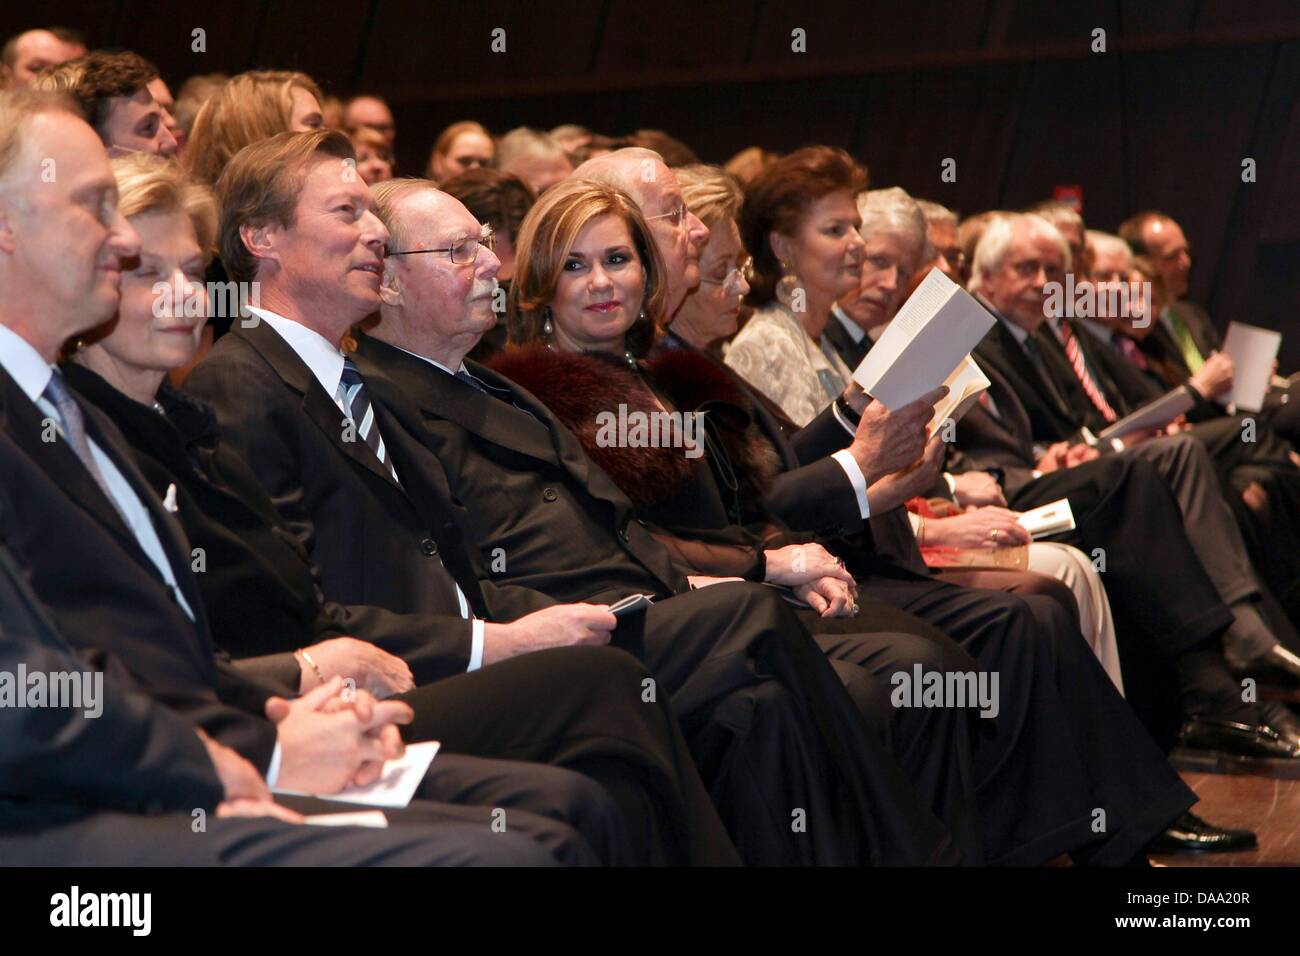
(307, 657)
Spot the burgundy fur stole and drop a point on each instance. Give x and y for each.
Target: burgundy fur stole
(694, 382)
(578, 387)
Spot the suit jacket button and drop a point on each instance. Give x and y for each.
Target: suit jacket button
(549, 494)
(429, 546)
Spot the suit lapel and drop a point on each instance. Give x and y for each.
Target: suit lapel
(1011, 417)
(316, 403)
(176, 547)
(27, 425)
(24, 422)
(436, 392)
(850, 351)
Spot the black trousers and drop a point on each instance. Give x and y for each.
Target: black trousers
(593, 710)
(933, 745)
(1281, 412)
(796, 774)
(1065, 766)
(1163, 599)
(1123, 506)
(425, 835)
(1271, 532)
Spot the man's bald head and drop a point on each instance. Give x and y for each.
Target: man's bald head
(628, 169)
(678, 234)
(366, 110)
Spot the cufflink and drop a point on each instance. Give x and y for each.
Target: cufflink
(169, 499)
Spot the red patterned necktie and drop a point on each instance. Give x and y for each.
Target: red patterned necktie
(1075, 355)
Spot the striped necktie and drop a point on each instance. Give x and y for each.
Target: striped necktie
(1075, 355)
(356, 401)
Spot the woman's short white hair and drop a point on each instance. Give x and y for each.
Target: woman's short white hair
(997, 237)
(1098, 240)
(936, 214)
(525, 143)
(894, 212)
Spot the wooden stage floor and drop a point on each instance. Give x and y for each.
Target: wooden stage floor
(1269, 806)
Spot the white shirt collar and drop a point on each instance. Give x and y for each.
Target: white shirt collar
(317, 352)
(24, 364)
(851, 327)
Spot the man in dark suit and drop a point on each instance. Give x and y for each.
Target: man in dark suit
(127, 781)
(1017, 257)
(1047, 360)
(375, 511)
(112, 565)
(1186, 326)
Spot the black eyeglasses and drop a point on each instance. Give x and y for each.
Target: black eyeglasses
(465, 250)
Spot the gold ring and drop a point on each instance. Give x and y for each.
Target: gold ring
(994, 535)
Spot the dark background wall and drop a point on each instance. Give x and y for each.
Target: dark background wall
(1010, 89)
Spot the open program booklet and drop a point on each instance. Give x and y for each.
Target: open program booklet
(1154, 414)
(1253, 351)
(937, 327)
(965, 385)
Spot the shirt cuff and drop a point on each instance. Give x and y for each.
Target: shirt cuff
(952, 484)
(848, 426)
(856, 479)
(273, 771)
(476, 646)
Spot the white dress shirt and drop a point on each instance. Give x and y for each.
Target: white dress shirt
(32, 373)
(326, 363)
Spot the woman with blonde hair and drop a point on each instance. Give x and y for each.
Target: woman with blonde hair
(247, 109)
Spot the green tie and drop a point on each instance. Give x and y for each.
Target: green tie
(1186, 344)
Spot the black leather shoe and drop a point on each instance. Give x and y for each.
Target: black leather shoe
(1230, 738)
(1281, 718)
(1190, 832)
(1278, 667)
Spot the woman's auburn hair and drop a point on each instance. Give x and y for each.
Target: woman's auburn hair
(545, 240)
(778, 198)
(248, 108)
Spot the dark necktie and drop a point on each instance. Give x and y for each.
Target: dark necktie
(1047, 377)
(352, 389)
(1130, 350)
(504, 394)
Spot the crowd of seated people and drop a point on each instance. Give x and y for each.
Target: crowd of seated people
(396, 493)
